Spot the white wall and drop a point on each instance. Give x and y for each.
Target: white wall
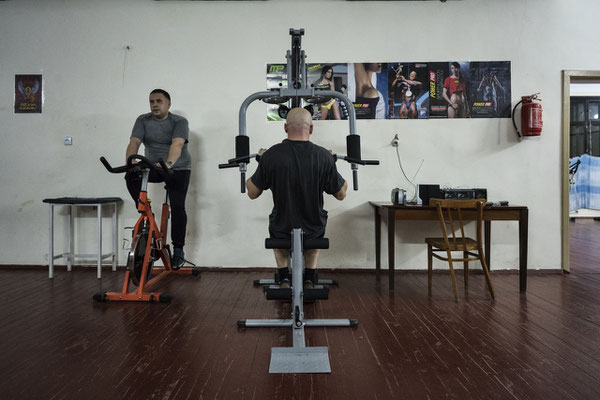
(211, 55)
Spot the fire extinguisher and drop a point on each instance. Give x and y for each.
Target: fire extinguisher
(531, 116)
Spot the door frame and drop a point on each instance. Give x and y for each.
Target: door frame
(568, 76)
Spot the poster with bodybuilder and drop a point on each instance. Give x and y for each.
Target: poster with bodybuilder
(333, 76)
(490, 88)
(406, 90)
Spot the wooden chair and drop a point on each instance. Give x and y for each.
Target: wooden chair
(450, 212)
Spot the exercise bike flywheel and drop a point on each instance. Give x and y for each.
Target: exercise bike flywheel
(135, 258)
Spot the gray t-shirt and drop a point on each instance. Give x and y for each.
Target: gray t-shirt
(157, 136)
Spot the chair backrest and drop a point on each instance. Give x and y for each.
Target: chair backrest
(451, 212)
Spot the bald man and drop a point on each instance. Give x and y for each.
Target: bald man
(297, 172)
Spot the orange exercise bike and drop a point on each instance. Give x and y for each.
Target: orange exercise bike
(149, 242)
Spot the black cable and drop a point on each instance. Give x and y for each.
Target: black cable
(414, 199)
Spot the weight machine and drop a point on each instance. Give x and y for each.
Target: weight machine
(299, 358)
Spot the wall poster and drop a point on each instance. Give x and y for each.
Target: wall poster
(28, 94)
(407, 90)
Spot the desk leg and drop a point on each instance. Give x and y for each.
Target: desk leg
(70, 240)
(99, 241)
(391, 245)
(487, 235)
(51, 241)
(115, 240)
(523, 234)
(377, 242)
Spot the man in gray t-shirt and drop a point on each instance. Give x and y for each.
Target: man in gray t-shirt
(165, 136)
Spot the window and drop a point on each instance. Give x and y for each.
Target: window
(585, 126)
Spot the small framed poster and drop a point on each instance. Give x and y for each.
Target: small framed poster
(28, 94)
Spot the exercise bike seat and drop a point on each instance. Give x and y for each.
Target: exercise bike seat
(308, 244)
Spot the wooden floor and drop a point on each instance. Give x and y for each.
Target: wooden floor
(56, 343)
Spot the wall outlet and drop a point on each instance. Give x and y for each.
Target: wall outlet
(395, 141)
(68, 141)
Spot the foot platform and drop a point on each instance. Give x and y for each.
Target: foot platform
(269, 282)
(274, 292)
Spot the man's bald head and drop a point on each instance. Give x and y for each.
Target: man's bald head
(298, 124)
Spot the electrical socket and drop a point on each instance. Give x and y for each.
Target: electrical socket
(395, 141)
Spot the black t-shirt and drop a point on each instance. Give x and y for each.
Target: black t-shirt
(297, 172)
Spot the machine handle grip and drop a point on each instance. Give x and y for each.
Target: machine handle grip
(355, 179)
(228, 165)
(354, 160)
(244, 159)
(371, 162)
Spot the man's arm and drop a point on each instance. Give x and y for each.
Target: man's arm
(253, 190)
(132, 147)
(175, 151)
(341, 194)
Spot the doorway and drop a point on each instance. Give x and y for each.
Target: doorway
(586, 136)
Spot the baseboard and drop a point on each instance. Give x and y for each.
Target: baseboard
(270, 270)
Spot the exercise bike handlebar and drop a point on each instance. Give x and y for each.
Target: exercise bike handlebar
(143, 162)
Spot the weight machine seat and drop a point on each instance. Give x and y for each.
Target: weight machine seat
(317, 243)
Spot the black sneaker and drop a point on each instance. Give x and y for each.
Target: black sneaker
(178, 258)
(284, 284)
(308, 285)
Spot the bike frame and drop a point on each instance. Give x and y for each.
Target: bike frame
(155, 242)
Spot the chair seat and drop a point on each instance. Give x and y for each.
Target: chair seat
(458, 246)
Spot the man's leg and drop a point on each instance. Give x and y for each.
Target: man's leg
(133, 179)
(134, 184)
(310, 264)
(177, 186)
(282, 258)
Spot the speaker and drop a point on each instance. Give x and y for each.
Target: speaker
(427, 192)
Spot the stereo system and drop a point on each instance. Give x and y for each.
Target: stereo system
(464, 194)
(427, 192)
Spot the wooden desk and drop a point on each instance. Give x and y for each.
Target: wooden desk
(393, 212)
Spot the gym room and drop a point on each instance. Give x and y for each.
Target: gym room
(105, 297)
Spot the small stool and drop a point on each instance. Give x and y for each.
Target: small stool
(71, 202)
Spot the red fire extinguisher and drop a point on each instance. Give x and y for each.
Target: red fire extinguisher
(531, 116)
